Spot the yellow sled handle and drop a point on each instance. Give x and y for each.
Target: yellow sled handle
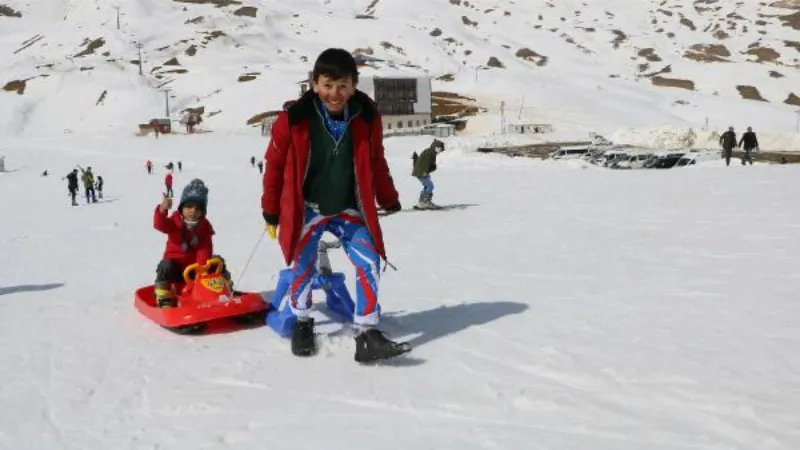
(193, 270)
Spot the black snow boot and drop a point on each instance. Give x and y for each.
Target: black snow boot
(372, 345)
(303, 343)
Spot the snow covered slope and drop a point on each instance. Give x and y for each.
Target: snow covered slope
(581, 65)
(564, 310)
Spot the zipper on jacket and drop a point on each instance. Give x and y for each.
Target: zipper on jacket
(346, 126)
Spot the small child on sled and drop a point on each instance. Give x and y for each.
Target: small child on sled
(189, 239)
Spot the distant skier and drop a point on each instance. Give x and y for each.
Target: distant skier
(424, 165)
(99, 186)
(149, 166)
(252, 161)
(180, 166)
(728, 142)
(44, 174)
(169, 166)
(260, 167)
(72, 185)
(748, 143)
(88, 184)
(168, 185)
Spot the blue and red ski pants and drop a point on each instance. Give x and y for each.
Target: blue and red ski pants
(349, 227)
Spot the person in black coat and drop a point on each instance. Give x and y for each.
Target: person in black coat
(72, 185)
(728, 142)
(748, 143)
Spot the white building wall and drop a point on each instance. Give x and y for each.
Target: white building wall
(399, 123)
(423, 105)
(367, 86)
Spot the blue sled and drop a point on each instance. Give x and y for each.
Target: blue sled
(282, 320)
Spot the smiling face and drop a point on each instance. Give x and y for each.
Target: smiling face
(334, 94)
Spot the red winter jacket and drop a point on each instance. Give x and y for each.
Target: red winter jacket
(168, 180)
(198, 250)
(287, 160)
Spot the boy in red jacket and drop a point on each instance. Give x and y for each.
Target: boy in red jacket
(325, 172)
(188, 239)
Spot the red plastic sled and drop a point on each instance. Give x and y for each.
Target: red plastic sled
(203, 299)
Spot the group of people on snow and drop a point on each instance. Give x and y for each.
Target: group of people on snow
(93, 187)
(748, 143)
(325, 172)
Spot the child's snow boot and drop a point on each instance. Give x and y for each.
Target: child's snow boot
(165, 298)
(372, 345)
(303, 343)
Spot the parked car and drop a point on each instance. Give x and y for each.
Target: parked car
(569, 153)
(665, 160)
(634, 161)
(698, 156)
(611, 157)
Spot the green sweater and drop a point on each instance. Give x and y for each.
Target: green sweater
(330, 181)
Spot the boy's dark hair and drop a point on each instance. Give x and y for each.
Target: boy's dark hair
(336, 63)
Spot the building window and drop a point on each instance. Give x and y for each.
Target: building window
(389, 125)
(410, 123)
(418, 122)
(395, 96)
(399, 124)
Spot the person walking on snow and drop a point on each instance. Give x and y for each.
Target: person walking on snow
(424, 165)
(728, 142)
(72, 185)
(748, 143)
(149, 166)
(88, 184)
(168, 185)
(325, 170)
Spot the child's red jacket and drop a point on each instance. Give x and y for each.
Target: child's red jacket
(184, 246)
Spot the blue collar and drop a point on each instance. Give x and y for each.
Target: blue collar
(335, 127)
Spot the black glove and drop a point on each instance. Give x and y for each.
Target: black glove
(270, 219)
(394, 208)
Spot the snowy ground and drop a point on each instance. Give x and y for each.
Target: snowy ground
(569, 308)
